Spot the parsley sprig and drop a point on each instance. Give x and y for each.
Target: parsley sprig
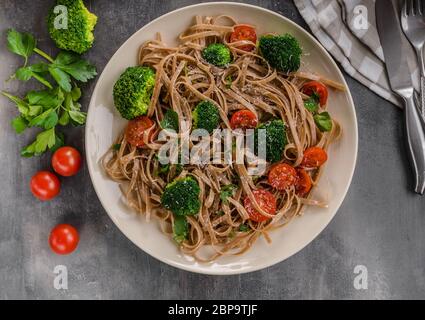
(58, 103)
(323, 119)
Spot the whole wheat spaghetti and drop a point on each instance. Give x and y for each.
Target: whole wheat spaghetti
(183, 79)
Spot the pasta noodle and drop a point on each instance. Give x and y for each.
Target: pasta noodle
(183, 79)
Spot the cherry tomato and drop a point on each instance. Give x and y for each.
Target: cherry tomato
(303, 184)
(244, 119)
(244, 33)
(136, 129)
(316, 87)
(45, 185)
(266, 200)
(314, 157)
(282, 176)
(66, 161)
(63, 239)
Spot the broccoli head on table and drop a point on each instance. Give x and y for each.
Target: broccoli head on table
(77, 33)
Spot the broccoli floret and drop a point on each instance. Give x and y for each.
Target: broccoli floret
(275, 139)
(78, 34)
(206, 116)
(133, 91)
(217, 54)
(282, 52)
(182, 197)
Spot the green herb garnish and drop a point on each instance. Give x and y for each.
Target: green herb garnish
(58, 104)
(244, 228)
(323, 121)
(227, 191)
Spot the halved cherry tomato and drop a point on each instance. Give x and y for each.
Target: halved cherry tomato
(63, 239)
(244, 33)
(244, 119)
(316, 87)
(66, 161)
(314, 157)
(136, 130)
(282, 176)
(266, 200)
(303, 184)
(45, 185)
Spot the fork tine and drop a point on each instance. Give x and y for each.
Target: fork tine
(404, 10)
(419, 6)
(411, 10)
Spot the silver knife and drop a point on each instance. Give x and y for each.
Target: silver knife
(390, 35)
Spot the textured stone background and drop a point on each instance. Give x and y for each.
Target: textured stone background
(380, 224)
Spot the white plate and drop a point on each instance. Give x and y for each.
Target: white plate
(104, 124)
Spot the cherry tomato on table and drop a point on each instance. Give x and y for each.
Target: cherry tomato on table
(314, 157)
(266, 200)
(282, 176)
(304, 183)
(45, 185)
(318, 88)
(244, 119)
(244, 33)
(136, 130)
(66, 161)
(63, 239)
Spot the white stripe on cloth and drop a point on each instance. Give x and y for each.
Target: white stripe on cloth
(333, 23)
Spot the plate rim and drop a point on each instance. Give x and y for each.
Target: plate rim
(274, 261)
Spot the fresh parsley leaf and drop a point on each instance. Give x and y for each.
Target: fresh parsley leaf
(180, 229)
(20, 104)
(229, 82)
(19, 124)
(323, 121)
(64, 118)
(244, 228)
(61, 77)
(45, 98)
(59, 141)
(44, 140)
(170, 120)
(51, 120)
(311, 105)
(22, 44)
(75, 66)
(23, 74)
(78, 117)
(164, 168)
(116, 146)
(227, 191)
(36, 71)
(34, 110)
(75, 93)
(47, 120)
(65, 58)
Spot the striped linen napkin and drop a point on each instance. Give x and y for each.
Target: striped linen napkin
(347, 29)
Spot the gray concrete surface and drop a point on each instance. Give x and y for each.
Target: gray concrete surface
(380, 224)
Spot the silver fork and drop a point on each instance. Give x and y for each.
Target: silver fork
(413, 24)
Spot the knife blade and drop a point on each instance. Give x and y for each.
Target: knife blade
(391, 37)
